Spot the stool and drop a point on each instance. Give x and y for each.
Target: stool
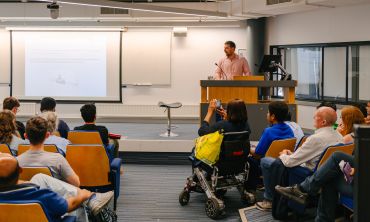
(168, 107)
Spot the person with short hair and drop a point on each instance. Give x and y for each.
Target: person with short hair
(12, 104)
(52, 120)
(48, 104)
(57, 197)
(276, 115)
(88, 113)
(231, 65)
(306, 156)
(297, 130)
(8, 131)
(37, 133)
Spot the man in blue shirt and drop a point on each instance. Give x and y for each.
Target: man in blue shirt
(276, 115)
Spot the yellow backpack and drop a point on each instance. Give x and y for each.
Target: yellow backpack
(208, 147)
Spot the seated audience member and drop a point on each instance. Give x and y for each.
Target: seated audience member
(331, 105)
(8, 131)
(297, 130)
(330, 180)
(307, 155)
(36, 133)
(12, 104)
(88, 113)
(60, 142)
(57, 197)
(235, 118)
(362, 107)
(49, 104)
(350, 115)
(276, 115)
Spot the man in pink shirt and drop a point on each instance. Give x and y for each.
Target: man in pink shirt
(231, 65)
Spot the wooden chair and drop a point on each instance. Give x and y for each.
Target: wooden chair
(4, 148)
(26, 211)
(345, 148)
(91, 164)
(279, 145)
(84, 137)
(47, 147)
(301, 141)
(28, 172)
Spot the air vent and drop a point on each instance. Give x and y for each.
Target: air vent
(113, 11)
(274, 2)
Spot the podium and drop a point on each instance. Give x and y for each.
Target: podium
(247, 88)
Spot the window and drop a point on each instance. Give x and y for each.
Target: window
(337, 72)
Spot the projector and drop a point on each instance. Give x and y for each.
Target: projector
(54, 10)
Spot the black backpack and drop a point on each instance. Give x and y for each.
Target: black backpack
(280, 207)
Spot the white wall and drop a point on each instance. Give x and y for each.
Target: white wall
(192, 59)
(341, 24)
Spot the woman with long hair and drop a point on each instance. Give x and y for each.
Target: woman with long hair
(8, 131)
(350, 115)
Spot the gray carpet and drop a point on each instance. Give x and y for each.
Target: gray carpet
(150, 193)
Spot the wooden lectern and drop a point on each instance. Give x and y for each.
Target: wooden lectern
(246, 88)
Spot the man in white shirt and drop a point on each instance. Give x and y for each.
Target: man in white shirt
(308, 154)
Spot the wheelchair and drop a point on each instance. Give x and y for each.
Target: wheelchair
(231, 170)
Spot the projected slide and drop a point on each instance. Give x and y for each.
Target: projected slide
(66, 65)
(58, 67)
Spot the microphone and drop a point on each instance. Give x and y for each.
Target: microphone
(223, 73)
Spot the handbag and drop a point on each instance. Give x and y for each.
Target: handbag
(208, 147)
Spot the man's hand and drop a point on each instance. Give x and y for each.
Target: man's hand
(286, 152)
(222, 113)
(352, 173)
(76, 201)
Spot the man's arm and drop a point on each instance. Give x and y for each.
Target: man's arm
(76, 201)
(305, 153)
(246, 69)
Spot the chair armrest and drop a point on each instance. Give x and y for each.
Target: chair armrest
(115, 168)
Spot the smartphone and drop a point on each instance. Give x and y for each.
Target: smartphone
(346, 169)
(218, 104)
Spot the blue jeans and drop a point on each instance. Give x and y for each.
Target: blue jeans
(330, 179)
(266, 163)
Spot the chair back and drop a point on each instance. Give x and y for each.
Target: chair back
(28, 172)
(345, 148)
(47, 147)
(4, 148)
(91, 164)
(279, 145)
(301, 141)
(235, 149)
(84, 137)
(22, 211)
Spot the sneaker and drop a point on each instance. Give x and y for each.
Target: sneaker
(98, 201)
(265, 205)
(293, 193)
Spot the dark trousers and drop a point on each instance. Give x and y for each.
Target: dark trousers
(331, 180)
(254, 176)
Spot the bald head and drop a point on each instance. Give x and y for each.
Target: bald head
(9, 170)
(324, 116)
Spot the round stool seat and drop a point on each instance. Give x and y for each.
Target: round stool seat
(170, 105)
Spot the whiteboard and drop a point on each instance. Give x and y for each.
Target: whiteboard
(146, 58)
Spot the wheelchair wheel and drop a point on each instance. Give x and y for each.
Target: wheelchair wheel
(213, 209)
(184, 197)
